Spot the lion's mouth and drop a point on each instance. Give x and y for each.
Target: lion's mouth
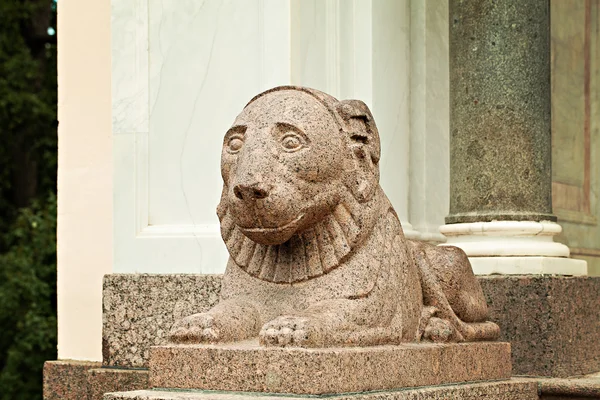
(283, 228)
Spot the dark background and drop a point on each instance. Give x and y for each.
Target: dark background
(28, 149)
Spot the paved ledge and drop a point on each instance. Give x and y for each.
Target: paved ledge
(103, 380)
(579, 387)
(501, 390)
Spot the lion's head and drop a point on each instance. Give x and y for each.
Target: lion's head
(300, 169)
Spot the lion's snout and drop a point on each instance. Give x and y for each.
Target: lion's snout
(262, 211)
(255, 191)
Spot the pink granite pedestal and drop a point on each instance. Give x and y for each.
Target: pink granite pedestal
(247, 367)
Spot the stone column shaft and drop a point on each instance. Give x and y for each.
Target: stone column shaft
(500, 149)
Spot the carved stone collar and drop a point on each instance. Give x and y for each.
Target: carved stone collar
(308, 254)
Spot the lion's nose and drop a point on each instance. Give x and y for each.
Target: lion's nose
(251, 192)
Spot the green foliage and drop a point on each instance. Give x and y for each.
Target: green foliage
(27, 104)
(28, 301)
(27, 195)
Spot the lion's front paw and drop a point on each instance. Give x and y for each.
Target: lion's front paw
(289, 331)
(196, 328)
(441, 331)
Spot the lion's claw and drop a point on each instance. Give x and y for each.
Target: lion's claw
(287, 331)
(197, 328)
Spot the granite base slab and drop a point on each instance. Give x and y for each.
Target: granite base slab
(86, 380)
(248, 367)
(501, 390)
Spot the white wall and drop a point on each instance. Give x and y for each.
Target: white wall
(182, 70)
(84, 174)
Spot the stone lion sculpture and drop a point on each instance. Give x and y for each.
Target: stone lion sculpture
(317, 253)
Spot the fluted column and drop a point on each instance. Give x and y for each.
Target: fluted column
(500, 137)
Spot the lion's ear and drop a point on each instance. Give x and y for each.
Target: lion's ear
(364, 147)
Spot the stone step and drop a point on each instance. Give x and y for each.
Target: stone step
(521, 389)
(103, 380)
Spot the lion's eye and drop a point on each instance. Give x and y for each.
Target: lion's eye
(291, 142)
(235, 144)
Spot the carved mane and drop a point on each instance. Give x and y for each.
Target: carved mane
(308, 254)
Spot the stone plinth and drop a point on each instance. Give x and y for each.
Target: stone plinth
(564, 347)
(67, 379)
(503, 390)
(557, 337)
(245, 366)
(552, 322)
(139, 309)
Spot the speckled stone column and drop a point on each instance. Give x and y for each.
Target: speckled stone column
(500, 139)
(500, 149)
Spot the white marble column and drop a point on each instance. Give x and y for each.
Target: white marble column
(361, 50)
(391, 83)
(429, 145)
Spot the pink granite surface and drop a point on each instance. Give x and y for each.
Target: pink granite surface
(245, 366)
(67, 379)
(86, 380)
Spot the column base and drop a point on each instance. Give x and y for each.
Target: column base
(409, 231)
(506, 238)
(528, 266)
(513, 248)
(421, 234)
(431, 237)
